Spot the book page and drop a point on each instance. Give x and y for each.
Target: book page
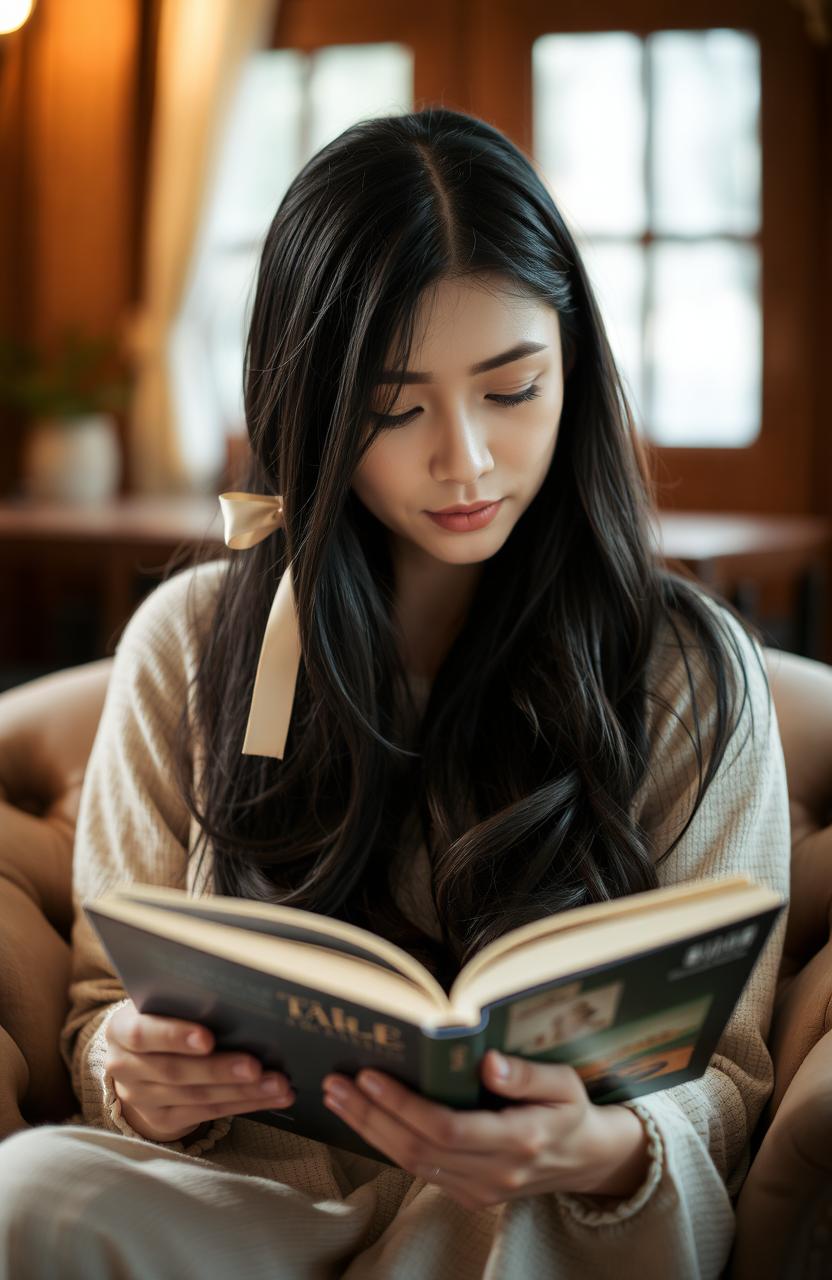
(569, 952)
(289, 923)
(636, 904)
(312, 966)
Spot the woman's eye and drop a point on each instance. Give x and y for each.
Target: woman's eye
(531, 393)
(398, 420)
(391, 420)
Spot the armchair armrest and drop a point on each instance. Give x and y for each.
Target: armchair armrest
(788, 1183)
(47, 729)
(802, 692)
(794, 1160)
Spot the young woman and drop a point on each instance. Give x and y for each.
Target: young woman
(459, 724)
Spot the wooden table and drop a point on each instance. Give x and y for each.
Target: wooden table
(125, 544)
(738, 554)
(121, 548)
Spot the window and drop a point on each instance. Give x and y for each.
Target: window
(287, 107)
(651, 149)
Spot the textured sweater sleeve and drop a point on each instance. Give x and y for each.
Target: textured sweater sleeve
(700, 1131)
(132, 823)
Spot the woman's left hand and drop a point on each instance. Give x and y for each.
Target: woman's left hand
(560, 1141)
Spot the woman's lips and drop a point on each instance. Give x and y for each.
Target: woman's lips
(461, 523)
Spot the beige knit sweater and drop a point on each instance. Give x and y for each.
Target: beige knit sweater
(132, 824)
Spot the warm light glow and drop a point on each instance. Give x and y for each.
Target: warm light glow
(13, 14)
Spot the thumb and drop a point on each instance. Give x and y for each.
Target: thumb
(536, 1081)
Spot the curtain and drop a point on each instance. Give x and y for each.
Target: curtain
(201, 51)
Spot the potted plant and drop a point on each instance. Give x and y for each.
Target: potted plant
(67, 395)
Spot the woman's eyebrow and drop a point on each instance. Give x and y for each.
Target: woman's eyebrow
(516, 352)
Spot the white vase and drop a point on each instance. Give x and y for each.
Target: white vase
(72, 459)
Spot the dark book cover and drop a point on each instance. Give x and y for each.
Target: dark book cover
(629, 1027)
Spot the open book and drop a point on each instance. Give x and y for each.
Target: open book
(633, 993)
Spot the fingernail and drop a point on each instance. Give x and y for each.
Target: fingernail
(195, 1040)
(243, 1070)
(337, 1091)
(500, 1066)
(371, 1084)
(273, 1084)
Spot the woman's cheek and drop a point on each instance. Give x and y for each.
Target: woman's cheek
(532, 449)
(378, 478)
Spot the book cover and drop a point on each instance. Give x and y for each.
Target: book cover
(629, 1026)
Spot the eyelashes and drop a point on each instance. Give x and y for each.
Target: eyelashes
(531, 393)
(393, 420)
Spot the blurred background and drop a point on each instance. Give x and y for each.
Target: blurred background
(144, 145)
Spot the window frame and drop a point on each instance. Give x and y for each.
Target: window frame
(773, 473)
(476, 55)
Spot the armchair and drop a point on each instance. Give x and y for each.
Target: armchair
(46, 731)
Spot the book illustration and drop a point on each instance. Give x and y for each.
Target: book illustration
(560, 1016)
(644, 1050)
(578, 1021)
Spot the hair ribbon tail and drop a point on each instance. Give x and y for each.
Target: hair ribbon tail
(248, 519)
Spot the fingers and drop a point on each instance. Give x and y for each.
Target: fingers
(146, 1033)
(475, 1180)
(164, 1112)
(167, 1051)
(475, 1132)
(551, 1082)
(272, 1090)
(170, 1081)
(166, 1124)
(177, 1069)
(176, 1073)
(485, 1157)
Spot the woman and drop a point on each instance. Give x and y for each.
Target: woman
(495, 717)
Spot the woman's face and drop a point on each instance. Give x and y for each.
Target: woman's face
(459, 439)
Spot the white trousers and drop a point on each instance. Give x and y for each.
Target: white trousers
(79, 1203)
(85, 1204)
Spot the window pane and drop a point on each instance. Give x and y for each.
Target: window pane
(616, 272)
(589, 128)
(354, 82)
(703, 344)
(705, 162)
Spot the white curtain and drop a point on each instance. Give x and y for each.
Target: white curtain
(201, 51)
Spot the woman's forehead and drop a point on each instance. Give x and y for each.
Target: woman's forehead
(463, 323)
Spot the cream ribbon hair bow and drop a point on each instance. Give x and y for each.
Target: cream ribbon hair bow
(248, 519)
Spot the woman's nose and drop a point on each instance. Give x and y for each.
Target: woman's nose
(461, 453)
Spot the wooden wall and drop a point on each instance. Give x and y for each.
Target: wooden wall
(73, 127)
(75, 91)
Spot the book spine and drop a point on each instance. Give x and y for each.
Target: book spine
(450, 1064)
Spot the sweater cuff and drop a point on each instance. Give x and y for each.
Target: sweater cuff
(193, 1144)
(595, 1211)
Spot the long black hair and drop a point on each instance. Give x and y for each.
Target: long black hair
(533, 744)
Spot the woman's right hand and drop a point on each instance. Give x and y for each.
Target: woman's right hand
(170, 1081)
